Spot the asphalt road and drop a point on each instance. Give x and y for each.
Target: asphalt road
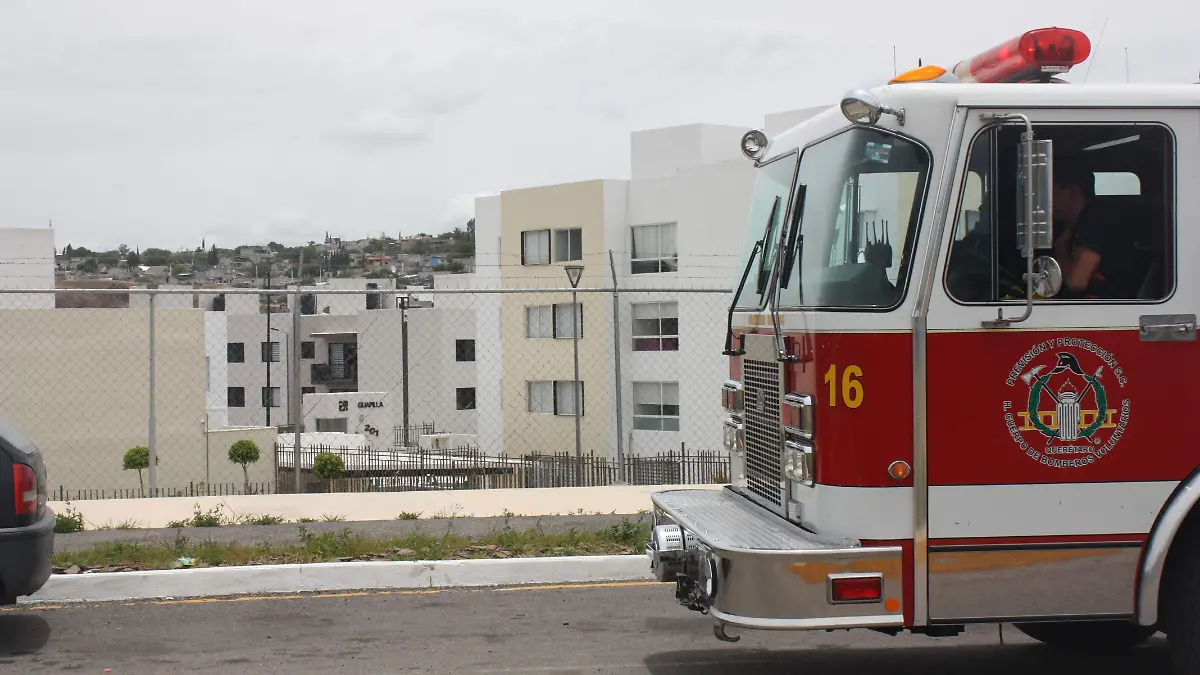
(615, 628)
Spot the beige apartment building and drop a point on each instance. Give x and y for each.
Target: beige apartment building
(542, 229)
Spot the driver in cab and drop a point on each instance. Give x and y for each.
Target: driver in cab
(1091, 244)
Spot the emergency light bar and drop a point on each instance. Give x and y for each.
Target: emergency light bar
(1033, 56)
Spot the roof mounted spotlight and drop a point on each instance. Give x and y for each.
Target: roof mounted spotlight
(754, 144)
(860, 107)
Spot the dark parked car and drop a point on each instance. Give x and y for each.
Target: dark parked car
(26, 523)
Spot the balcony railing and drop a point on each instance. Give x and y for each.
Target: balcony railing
(325, 373)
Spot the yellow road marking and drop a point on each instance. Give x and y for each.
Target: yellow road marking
(347, 594)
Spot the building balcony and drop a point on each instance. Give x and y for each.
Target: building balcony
(323, 373)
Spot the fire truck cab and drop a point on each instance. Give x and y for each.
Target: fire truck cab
(962, 351)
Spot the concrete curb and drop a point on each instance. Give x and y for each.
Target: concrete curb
(350, 576)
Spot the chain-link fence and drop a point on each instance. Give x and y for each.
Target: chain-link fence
(243, 391)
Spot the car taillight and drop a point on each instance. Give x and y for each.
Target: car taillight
(25, 490)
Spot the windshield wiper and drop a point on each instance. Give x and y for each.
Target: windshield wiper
(795, 244)
(762, 280)
(776, 287)
(729, 350)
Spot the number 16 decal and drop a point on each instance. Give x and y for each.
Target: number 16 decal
(852, 389)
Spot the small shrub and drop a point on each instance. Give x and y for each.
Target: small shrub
(306, 520)
(328, 466)
(332, 518)
(408, 515)
(265, 519)
(720, 477)
(68, 521)
(123, 525)
(210, 518)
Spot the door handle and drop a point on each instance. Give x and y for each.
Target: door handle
(1167, 327)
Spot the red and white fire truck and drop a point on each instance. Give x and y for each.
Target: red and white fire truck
(962, 354)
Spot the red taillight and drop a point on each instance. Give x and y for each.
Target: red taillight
(1030, 56)
(856, 588)
(25, 492)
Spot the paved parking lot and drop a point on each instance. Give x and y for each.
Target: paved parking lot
(615, 628)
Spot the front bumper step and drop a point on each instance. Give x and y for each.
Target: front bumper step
(751, 568)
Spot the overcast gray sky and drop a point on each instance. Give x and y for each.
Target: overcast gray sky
(162, 122)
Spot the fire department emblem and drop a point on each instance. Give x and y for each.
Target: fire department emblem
(1071, 411)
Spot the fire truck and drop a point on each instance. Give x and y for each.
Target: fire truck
(962, 358)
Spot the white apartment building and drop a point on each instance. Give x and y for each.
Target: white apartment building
(26, 261)
(677, 223)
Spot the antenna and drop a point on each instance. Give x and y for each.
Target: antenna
(894, 71)
(1096, 50)
(1127, 65)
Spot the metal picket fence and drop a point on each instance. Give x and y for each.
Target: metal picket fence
(228, 388)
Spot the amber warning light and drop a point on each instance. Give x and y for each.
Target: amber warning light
(1034, 56)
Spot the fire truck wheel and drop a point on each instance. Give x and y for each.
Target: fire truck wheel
(1179, 603)
(1088, 635)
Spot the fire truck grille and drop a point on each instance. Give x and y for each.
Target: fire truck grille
(764, 470)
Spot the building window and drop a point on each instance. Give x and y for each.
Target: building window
(270, 397)
(555, 398)
(568, 245)
(568, 321)
(541, 397)
(333, 425)
(564, 398)
(655, 326)
(654, 249)
(307, 390)
(464, 350)
(308, 350)
(464, 398)
(235, 352)
(535, 247)
(554, 321)
(270, 352)
(656, 406)
(235, 397)
(539, 322)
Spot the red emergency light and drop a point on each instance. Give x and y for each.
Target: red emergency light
(1034, 56)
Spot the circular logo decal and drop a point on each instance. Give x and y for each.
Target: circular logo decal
(1071, 410)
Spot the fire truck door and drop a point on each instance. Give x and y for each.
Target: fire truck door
(1053, 444)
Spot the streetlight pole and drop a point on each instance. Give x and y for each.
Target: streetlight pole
(574, 273)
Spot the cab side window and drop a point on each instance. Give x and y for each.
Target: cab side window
(1113, 221)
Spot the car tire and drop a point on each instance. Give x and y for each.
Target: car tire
(1088, 635)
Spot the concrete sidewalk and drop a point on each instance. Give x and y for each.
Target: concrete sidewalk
(379, 506)
(289, 533)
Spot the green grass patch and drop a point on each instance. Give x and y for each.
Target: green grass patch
(626, 537)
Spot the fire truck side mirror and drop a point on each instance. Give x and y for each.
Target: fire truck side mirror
(1035, 181)
(1047, 277)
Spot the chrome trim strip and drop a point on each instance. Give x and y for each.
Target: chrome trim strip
(818, 623)
(920, 475)
(1154, 557)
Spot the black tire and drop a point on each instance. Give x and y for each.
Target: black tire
(1088, 635)
(1179, 603)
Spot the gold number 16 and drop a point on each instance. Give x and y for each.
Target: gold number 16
(852, 390)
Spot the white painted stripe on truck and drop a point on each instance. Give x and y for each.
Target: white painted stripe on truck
(858, 512)
(1048, 509)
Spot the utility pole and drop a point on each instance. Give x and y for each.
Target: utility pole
(297, 395)
(268, 352)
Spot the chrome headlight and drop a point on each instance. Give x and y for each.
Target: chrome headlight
(798, 462)
(799, 415)
(734, 435)
(732, 399)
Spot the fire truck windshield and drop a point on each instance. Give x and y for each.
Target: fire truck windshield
(865, 189)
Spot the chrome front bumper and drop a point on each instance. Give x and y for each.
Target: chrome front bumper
(748, 567)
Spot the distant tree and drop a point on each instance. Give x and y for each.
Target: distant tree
(244, 452)
(68, 252)
(82, 252)
(109, 258)
(471, 228)
(132, 259)
(328, 466)
(180, 270)
(90, 266)
(123, 249)
(138, 459)
(157, 256)
(214, 256)
(421, 247)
